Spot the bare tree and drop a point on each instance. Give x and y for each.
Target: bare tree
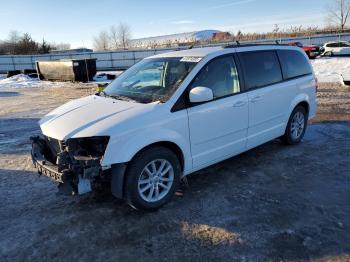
(123, 35)
(311, 30)
(13, 38)
(27, 45)
(338, 13)
(276, 29)
(101, 42)
(113, 37)
(239, 35)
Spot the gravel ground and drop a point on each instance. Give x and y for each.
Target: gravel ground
(274, 203)
(333, 102)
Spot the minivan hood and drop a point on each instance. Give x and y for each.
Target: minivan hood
(77, 116)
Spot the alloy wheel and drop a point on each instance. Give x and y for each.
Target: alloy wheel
(297, 125)
(155, 180)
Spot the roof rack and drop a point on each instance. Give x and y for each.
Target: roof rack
(238, 44)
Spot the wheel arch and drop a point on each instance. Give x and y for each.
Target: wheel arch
(305, 105)
(301, 100)
(119, 171)
(167, 144)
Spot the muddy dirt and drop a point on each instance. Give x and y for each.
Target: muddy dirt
(273, 203)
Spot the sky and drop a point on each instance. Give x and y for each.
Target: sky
(77, 21)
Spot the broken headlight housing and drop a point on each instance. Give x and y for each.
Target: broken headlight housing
(88, 146)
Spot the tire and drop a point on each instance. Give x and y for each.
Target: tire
(328, 53)
(296, 126)
(145, 172)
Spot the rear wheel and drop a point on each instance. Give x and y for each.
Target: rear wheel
(328, 53)
(296, 126)
(152, 178)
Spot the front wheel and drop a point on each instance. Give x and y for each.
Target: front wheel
(152, 178)
(296, 126)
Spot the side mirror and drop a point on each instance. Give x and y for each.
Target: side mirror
(201, 94)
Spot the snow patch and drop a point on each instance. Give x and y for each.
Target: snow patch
(24, 81)
(330, 69)
(19, 81)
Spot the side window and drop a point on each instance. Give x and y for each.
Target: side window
(343, 44)
(220, 75)
(261, 68)
(294, 64)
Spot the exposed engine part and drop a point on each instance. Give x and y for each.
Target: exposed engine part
(66, 161)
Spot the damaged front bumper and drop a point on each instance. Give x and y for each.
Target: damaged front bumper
(69, 163)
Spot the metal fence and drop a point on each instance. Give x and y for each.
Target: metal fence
(105, 60)
(124, 59)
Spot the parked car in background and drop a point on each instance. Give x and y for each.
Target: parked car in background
(312, 51)
(173, 114)
(336, 48)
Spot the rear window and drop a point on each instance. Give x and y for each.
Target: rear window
(260, 68)
(294, 64)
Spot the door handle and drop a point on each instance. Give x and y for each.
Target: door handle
(239, 104)
(255, 99)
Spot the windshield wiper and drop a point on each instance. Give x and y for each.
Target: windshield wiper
(126, 98)
(118, 97)
(122, 98)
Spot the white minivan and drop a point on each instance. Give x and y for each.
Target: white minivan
(173, 114)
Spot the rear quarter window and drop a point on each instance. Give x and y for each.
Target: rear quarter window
(294, 64)
(260, 68)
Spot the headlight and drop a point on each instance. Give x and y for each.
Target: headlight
(88, 146)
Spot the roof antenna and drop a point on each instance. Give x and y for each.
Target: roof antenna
(237, 42)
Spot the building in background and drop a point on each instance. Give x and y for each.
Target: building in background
(174, 39)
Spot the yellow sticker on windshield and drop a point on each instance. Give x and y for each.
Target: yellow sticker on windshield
(192, 59)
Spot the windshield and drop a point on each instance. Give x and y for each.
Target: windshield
(151, 80)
